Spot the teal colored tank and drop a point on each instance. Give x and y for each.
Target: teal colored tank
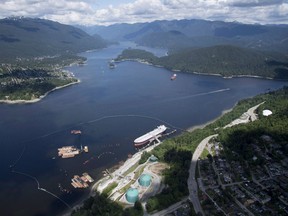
(145, 180)
(132, 195)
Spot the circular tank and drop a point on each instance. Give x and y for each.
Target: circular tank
(132, 195)
(145, 180)
(153, 158)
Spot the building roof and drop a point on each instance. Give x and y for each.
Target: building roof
(267, 112)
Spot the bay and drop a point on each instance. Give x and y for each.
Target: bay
(111, 107)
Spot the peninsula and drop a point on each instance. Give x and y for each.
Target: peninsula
(33, 54)
(222, 60)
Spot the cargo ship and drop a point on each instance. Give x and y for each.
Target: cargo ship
(150, 136)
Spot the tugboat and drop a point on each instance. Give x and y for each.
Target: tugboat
(76, 132)
(112, 64)
(173, 77)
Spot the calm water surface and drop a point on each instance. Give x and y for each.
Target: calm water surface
(112, 107)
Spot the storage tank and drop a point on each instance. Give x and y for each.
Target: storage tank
(132, 195)
(153, 158)
(145, 180)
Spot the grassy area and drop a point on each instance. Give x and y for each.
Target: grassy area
(204, 154)
(107, 191)
(131, 169)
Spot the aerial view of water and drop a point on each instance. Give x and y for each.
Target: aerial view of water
(111, 107)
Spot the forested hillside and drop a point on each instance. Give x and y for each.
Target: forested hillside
(28, 38)
(196, 33)
(224, 60)
(33, 51)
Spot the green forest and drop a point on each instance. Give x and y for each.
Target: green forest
(33, 53)
(224, 60)
(177, 151)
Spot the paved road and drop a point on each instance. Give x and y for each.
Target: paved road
(245, 117)
(192, 183)
(169, 209)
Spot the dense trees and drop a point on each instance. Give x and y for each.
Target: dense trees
(144, 157)
(175, 180)
(28, 80)
(224, 60)
(177, 152)
(100, 205)
(241, 138)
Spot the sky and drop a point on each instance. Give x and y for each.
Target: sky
(107, 12)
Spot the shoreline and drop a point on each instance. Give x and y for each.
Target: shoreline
(191, 129)
(143, 61)
(93, 187)
(41, 97)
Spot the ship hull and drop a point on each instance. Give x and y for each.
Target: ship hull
(150, 136)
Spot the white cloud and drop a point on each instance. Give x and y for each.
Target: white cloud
(86, 11)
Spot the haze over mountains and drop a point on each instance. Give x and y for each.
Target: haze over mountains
(30, 37)
(208, 47)
(177, 34)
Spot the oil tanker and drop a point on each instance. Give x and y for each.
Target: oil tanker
(150, 136)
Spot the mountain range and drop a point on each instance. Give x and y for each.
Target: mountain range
(178, 34)
(29, 37)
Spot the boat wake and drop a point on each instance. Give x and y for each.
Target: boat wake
(105, 153)
(196, 95)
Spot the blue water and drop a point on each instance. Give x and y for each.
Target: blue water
(112, 107)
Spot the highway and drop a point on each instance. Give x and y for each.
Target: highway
(192, 183)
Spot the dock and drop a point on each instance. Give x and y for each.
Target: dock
(81, 182)
(68, 151)
(71, 151)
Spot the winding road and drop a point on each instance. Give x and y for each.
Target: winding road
(192, 183)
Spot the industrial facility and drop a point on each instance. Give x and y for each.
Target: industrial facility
(132, 195)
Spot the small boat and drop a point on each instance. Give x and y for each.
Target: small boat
(112, 64)
(173, 77)
(76, 131)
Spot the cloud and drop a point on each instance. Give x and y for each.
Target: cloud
(256, 3)
(87, 12)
